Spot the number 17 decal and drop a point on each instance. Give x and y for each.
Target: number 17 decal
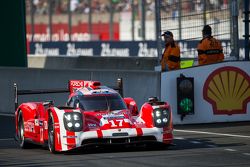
(113, 124)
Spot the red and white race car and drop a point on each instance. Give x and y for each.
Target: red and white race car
(93, 115)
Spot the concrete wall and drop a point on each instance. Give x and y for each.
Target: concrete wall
(88, 62)
(137, 84)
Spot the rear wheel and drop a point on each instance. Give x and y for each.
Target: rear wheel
(21, 138)
(51, 134)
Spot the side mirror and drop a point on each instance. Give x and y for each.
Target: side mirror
(134, 111)
(76, 103)
(48, 103)
(131, 105)
(152, 99)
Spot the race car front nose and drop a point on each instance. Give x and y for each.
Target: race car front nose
(73, 121)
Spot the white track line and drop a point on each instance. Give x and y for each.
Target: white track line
(229, 149)
(9, 115)
(195, 142)
(7, 139)
(211, 145)
(179, 138)
(211, 133)
(248, 154)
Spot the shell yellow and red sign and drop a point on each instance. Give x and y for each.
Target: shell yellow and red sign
(227, 89)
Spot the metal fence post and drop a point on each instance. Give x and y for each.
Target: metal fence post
(143, 18)
(235, 33)
(179, 19)
(50, 20)
(133, 20)
(205, 13)
(246, 20)
(111, 21)
(158, 28)
(69, 20)
(32, 13)
(90, 19)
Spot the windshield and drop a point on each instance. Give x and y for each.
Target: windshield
(97, 103)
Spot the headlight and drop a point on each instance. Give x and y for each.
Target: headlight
(73, 121)
(76, 117)
(161, 117)
(157, 113)
(165, 120)
(165, 112)
(69, 125)
(158, 121)
(67, 117)
(77, 125)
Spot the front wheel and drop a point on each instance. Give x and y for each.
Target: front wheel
(21, 138)
(51, 134)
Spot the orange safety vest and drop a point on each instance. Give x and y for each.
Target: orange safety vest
(209, 51)
(171, 57)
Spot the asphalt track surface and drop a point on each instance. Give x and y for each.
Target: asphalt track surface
(214, 145)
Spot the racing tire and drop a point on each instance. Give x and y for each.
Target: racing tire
(21, 139)
(51, 134)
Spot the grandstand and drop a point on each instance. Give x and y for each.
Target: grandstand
(39, 13)
(123, 20)
(73, 17)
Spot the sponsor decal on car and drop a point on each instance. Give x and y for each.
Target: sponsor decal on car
(29, 126)
(90, 125)
(113, 116)
(70, 137)
(45, 125)
(36, 122)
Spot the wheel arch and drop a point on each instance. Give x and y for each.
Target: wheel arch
(25, 110)
(51, 112)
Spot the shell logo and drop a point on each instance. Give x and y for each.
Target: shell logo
(228, 90)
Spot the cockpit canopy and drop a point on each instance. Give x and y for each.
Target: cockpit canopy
(98, 102)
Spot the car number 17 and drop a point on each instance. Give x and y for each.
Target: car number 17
(113, 124)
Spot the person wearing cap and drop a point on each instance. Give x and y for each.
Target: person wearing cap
(209, 49)
(171, 55)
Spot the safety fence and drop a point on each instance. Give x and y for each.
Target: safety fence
(186, 19)
(89, 20)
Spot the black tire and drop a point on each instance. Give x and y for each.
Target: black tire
(21, 139)
(51, 134)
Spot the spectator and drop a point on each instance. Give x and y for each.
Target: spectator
(74, 5)
(171, 55)
(209, 49)
(41, 6)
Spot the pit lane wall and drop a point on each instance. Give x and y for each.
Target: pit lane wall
(137, 84)
(221, 92)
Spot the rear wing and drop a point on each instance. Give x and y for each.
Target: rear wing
(118, 87)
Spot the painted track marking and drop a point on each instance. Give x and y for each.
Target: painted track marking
(195, 142)
(179, 138)
(211, 133)
(229, 149)
(7, 139)
(211, 145)
(248, 154)
(7, 115)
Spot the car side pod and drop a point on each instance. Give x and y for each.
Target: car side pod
(157, 113)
